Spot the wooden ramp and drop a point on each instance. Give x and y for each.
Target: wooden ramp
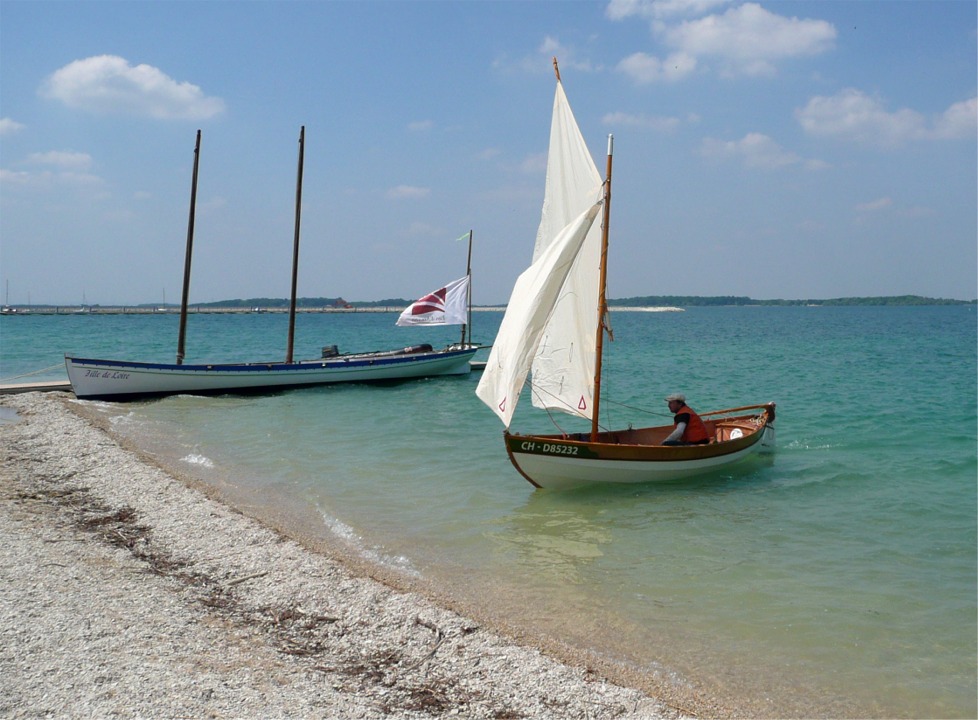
(48, 386)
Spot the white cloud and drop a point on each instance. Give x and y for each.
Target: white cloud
(420, 125)
(421, 229)
(407, 191)
(109, 84)
(9, 127)
(15, 177)
(62, 159)
(48, 181)
(657, 9)
(748, 39)
(853, 115)
(659, 124)
(645, 69)
(566, 56)
(875, 205)
(959, 121)
(756, 151)
(533, 164)
(744, 40)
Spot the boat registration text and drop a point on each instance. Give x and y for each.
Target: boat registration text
(549, 448)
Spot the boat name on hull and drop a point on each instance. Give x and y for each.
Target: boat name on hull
(549, 448)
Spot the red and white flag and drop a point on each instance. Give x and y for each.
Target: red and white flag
(447, 306)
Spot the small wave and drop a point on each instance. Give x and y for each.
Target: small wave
(201, 460)
(373, 555)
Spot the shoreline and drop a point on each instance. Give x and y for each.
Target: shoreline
(130, 589)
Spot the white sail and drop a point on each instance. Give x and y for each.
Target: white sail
(530, 307)
(563, 369)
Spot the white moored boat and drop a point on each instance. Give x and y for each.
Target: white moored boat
(122, 380)
(127, 380)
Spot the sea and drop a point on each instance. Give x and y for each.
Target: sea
(834, 578)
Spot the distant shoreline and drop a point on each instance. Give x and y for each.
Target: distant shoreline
(664, 303)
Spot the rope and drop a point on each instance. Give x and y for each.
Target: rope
(638, 409)
(573, 411)
(33, 372)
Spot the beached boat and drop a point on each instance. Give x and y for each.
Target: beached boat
(555, 324)
(121, 380)
(127, 380)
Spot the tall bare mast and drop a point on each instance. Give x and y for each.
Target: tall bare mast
(295, 245)
(182, 337)
(468, 299)
(602, 298)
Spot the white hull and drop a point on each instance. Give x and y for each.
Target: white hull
(559, 472)
(121, 380)
(639, 455)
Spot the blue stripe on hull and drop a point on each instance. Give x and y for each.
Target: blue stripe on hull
(131, 380)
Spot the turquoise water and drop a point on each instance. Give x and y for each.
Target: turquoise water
(836, 578)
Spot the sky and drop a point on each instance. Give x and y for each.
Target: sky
(794, 150)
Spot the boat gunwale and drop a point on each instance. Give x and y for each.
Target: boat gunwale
(341, 361)
(632, 452)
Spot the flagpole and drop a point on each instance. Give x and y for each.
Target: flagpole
(468, 293)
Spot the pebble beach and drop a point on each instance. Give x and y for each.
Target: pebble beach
(125, 590)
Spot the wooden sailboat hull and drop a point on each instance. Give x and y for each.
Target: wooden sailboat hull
(122, 380)
(637, 455)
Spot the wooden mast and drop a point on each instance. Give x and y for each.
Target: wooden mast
(182, 337)
(602, 298)
(295, 245)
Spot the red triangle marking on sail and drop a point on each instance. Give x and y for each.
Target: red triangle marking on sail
(582, 405)
(502, 406)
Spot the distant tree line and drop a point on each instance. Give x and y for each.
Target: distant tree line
(644, 301)
(694, 301)
(310, 302)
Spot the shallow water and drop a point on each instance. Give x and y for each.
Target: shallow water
(838, 577)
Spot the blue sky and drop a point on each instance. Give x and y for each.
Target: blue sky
(775, 149)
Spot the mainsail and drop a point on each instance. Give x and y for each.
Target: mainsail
(552, 316)
(563, 369)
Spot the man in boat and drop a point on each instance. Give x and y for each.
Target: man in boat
(690, 429)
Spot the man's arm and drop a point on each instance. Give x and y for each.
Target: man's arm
(677, 433)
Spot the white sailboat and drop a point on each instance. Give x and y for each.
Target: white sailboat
(554, 325)
(100, 379)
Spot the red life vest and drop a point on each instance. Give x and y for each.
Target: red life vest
(695, 431)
